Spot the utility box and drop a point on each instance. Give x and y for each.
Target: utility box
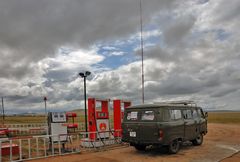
(57, 124)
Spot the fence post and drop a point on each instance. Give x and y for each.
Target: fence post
(20, 149)
(59, 145)
(10, 150)
(44, 145)
(29, 148)
(52, 145)
(0, 151)
(37, 146)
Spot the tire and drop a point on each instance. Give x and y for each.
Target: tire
(140, 147)
(198, 141)
(174, 147)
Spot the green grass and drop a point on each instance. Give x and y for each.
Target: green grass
(224, 117)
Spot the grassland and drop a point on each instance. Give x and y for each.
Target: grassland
(31, 119)
(224, 117)
(213, 117)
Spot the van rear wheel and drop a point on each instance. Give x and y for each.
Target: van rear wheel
(199, 140)
(174, 147)
(140, 147)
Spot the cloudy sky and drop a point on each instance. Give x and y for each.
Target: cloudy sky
(191, 51)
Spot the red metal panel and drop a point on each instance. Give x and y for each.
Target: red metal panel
(126, 104)
(71, 115)
(6, 149)
(94, 115)
(118, 115)
(73, 125)
(91, 117)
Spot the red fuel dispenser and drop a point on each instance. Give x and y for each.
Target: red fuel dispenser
(73, 125)
(118, 115)
(98, 120)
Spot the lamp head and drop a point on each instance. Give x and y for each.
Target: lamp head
(81, 74)
(87, 73)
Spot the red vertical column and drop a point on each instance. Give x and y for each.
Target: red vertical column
(92, 118)
(117, 118)
(104, 106)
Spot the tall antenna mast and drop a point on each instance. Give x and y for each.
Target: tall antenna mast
(141, 37)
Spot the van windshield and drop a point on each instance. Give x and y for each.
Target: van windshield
(140, 115)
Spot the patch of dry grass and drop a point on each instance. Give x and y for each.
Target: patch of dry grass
(213, 117)
(224, 117)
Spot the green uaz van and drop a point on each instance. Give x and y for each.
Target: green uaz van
(164, 124)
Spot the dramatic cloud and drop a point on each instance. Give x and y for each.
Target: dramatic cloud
(191, 51)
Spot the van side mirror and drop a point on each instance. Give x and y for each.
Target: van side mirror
(206, 114)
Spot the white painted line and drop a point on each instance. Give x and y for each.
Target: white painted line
(228, 147)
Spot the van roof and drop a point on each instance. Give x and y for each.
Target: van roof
(162, 105)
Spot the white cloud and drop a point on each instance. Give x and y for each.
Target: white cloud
(75, 59)
(109, 48)
(117, 53)
(197, 56)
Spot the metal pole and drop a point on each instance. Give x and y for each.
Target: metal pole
(85, 103)
(45, 102)
(141, 36)
(45, 108)
(3, 113)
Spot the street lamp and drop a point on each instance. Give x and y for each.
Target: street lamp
(84, 75)
(45, 101)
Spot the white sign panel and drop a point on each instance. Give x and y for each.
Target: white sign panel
(102, 126)
(58, 117)
(60, 130)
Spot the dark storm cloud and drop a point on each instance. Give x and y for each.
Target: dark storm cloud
(62, 75)
(226, 12)
(177, 31)
(32, 29)
(192, 59)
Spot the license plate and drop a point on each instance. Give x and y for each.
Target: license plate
(132, 134)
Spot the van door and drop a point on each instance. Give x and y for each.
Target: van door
(141, 127)
(148, 126)
(189, 125)
(174, 127)
(203, 121)
(197, 120)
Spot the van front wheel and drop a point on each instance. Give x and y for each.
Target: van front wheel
(140, 147)
(174, 147)
(198, 141)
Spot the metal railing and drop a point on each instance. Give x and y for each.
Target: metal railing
(34, 147)
(32, 129)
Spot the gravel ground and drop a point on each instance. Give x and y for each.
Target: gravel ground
(222, 143)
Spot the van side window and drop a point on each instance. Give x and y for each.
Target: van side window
(133, 115)
(147, 115)
(166, 115)
(200, 112)
(187, 114)
(175, 114)
(195, 115)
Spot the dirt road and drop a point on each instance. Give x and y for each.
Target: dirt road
(222, 141)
